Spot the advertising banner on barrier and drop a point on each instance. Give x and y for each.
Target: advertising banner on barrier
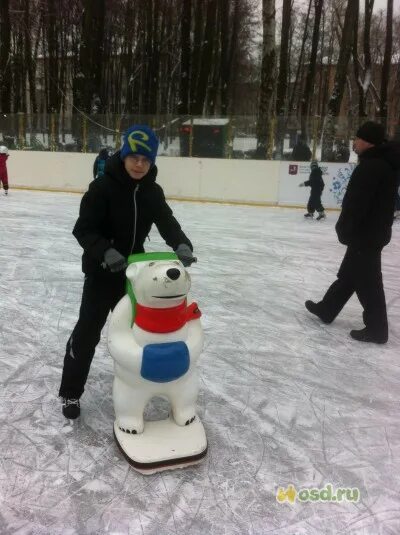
(335, 175)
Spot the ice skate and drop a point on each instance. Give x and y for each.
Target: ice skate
(71, 408)
(321, 215)
(309, 215)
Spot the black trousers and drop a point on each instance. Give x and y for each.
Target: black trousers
(100, 295)
(359, 272)
(314, 203)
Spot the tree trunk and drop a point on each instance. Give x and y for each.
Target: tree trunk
(206, 55)
(281, 90)
(340, 80)
(386, 62)
(300, 61)
(87, 81)
(5, 57)
(267, 85)
(186, 50)
(309, 89)
(363, 82)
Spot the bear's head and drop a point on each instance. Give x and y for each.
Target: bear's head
(157, 280)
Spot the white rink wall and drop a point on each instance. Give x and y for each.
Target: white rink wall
(201, 179)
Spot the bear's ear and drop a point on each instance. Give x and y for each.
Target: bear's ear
(131, 271)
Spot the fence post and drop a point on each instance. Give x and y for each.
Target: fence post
(231, 135)
(271, 139)
(52, 132)
(21, 133)
(315, 137)
(84, 135)
(118, 136)
(191, 137)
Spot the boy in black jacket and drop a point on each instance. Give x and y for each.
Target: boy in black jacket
(365, 226)
(317, 185)
(115, 217)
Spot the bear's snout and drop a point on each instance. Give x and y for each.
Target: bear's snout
(173, 273)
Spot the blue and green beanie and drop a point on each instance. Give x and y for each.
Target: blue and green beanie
(140, 139)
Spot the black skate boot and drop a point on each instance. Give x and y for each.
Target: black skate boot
(309, 215)
(321, 215)
(71, 408)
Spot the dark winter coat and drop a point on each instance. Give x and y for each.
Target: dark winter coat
(315, 181)
(368, 205)
(119, 212)
(3, 159)
(100, 163)
(342, 154)
(301, 152)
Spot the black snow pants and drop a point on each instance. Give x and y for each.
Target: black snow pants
(314, 202)
(359, 272)
(100, 295)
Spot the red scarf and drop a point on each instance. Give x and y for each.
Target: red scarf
(165, 320)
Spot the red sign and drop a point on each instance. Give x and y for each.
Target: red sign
(293, 169)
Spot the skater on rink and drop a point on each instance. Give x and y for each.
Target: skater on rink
(115, 217)
(3, 168)
(100, 163)
(365, 226)
(317, 185)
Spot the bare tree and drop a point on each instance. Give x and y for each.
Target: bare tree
(205, 58)
(310, 80)
(184, 94)
(363, 81)
(5, 57)
(87, 82)
(300, 60)
(387, 62)
(281, 91)
(267, 83)
(335, 100)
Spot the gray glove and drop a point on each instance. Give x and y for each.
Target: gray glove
(185, 255)
(114, 260)
(301, 185)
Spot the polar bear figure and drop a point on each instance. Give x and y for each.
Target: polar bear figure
(155, 339)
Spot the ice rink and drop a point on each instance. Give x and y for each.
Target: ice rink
(284, 399)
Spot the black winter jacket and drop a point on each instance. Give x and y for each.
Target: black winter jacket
(301, 152)
(315, 181)
(118, 212)
(366, 218)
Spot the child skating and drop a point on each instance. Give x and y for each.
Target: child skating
(3, 168)
(317, 185)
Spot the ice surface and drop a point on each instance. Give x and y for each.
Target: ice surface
(283, 398)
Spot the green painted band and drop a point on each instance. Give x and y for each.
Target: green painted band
(148, 257)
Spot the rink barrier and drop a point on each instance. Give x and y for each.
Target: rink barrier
(242, 182)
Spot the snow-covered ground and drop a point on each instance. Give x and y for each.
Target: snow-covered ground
(284, 399)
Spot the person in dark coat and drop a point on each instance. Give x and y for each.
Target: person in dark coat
(3, 168)
(100, 163)
(342, 153)
(317, 185)
(301, 151)
(115, 217)
(365, 227)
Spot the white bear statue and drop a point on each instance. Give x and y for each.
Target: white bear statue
(155, 338)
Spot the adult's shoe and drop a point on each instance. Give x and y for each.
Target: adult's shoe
(364, 336)
(315, 308)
